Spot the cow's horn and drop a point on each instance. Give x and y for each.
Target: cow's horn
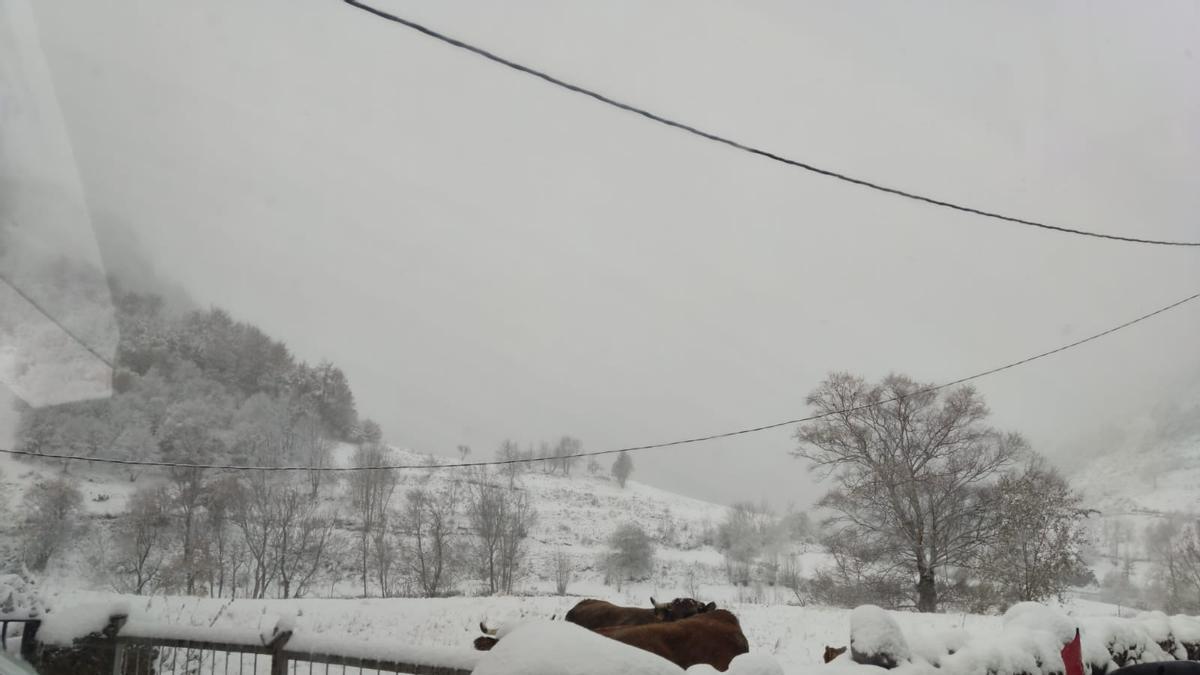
(658, 605)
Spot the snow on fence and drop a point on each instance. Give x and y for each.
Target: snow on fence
(121, 647)
(1029, 643)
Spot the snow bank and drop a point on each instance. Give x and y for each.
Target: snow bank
(743, 664)
(1185, 628)
(63, 625)
(561, 648)
(1156, 624)
(934, 646)
(1124, 641)
(1038, 617)
(754, 664)
(1010, 652)
(229, 634)
(452, 657)
(875, 638)
(19, 598)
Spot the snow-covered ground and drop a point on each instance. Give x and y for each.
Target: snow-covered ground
(793, 636)
(1146, 478)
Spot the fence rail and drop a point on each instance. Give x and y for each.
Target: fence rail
(29, 628)
(123, 649)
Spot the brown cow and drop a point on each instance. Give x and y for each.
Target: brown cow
(714, 637)
(832, 653)
(593, 614)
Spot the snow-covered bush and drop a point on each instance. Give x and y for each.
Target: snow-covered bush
(875, 638)
(630, 554)
(51, 508)
(19, 598)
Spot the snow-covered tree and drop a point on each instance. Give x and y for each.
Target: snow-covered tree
(1040, 538)
(142, 547)
(500, 519)
(909, 467)
(51, 509)
(430, 552)
(622, 468)
(630, 554)
(371, 493)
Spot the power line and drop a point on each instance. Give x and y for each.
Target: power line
(635, 448)
(36, 305)
(708, 135)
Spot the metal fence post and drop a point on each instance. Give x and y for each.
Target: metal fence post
(278, 657)
(29, 640)
(118, 659)
(110, 632)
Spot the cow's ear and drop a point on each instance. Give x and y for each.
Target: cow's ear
(709, 607)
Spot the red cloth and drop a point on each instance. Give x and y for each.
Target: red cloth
(1072, 656)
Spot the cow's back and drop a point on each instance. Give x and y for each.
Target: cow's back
(714, 638)
(594, 614)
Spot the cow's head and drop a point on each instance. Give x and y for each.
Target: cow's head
(680, 608)
(832, 653)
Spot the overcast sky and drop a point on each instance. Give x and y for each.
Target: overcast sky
(488, 257)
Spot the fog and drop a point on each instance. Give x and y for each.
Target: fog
(488, 257)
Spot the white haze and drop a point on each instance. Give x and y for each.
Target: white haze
(490, 257)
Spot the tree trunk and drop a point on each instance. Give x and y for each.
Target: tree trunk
(927, 600)
(189, 569)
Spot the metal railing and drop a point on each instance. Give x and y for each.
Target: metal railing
(29, 628)
(145, 649)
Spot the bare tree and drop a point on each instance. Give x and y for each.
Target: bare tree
(1174, 549)
(254, 515)
(517, 520)
(510, 452)
(188, 498)
(463, 452)
(226, 550)
(546, 454)
(563, 451)
(301, 539)
(314, 448)
(486, 512)
(500, 519)
(791, 577)
(622, 468)
(910, 467)
(562, 571)
(371, 494)
(748, 532)
(142, 540)
(430, 554)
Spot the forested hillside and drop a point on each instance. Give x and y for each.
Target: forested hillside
(199, 386)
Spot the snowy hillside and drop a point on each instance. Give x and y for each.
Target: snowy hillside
(1146, 476)
(575, 517)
